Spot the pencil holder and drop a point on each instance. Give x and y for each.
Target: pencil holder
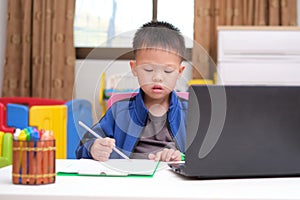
(33, 162)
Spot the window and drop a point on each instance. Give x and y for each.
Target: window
(110, 24)
(181, 14)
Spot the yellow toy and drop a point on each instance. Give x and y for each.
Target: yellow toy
(52, 118)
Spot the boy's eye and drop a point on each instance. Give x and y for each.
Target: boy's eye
(168, 71)
(148, 70)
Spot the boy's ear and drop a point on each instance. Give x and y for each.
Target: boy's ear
(181, 69)
(133, 67)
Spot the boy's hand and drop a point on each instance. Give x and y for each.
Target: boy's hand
(102, 148)
(166, 155)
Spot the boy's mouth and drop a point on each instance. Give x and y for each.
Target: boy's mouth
(157, 88)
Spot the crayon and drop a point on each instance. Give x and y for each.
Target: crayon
(31, 163)
(39, 163)
(16, 158)
(16, 162)
(26, 175)
(23, 157)
(40, 158)
(51, 142)
(33, 155)
(45, 160)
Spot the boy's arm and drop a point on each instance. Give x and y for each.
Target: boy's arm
(83, 149)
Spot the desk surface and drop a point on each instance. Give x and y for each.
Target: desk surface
(164, 185)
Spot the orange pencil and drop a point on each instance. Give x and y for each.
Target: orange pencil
(16, 158)
(39, 162)
(32, 163)
(51, 142)
(45, 166)
(16, 162)
(24, 174)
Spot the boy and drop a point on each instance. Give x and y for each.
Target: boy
(152, 124)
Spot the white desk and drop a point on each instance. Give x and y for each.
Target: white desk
(164, 185)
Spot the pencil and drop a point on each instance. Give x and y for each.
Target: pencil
(51, 161)
(45, 157)
(32, 162)
(16, 162)
(98, 136)
(24, 174)
(41, 157)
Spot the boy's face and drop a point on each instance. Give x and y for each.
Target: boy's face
(157, 71)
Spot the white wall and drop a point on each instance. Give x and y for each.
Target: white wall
(3, 8)
(87, 80)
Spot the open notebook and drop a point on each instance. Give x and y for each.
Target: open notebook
(112, 167)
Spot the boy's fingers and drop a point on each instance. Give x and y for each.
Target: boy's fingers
(164, 154)
(173, 155)
(102, 141)
(169, 155)
(151, 156)
(102, 156)
(107, 142)
(176, 156)
(112, 142)
(158, 156)
(105, 149)
(102, 148)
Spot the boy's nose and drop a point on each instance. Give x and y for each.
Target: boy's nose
(157, 77)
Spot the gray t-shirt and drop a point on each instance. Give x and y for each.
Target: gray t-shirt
(154, 138)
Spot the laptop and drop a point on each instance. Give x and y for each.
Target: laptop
(242, 132)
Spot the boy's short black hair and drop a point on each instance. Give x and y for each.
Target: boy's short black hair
(159, 35)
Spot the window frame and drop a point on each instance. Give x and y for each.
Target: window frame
(113, 53)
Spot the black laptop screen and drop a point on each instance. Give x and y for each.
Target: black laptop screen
(243, 131)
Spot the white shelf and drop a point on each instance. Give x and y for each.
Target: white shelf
(258, 56)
